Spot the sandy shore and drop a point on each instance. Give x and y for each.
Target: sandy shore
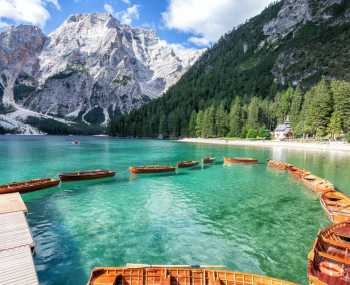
(326, 146)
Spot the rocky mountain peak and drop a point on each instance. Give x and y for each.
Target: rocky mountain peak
(89, 70)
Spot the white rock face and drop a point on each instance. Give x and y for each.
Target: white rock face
(90, 69)
(293, 13)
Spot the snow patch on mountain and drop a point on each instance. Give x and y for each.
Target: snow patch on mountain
(91, 69)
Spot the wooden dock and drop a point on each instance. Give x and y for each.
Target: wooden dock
(16, 243)
(12, 202)
(17, 267)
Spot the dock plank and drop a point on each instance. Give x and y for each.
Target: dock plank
(14, 231)
(17, 267)
(12, 202)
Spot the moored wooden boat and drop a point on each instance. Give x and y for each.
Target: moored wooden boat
(29, 185)
(336, 205)
(329, 258)
(86, 175)
(297, 172)
(151, 169)
(176, 275)
(184, 164)
(317, 184)
(208, 159)
(279, 165)
(244, 160)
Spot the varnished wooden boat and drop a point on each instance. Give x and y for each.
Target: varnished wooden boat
(279, 165)
(244, 160)
(336, 205)
(208, 159)
(329, 258)
(176, 275)
(86, 175)
(317, 184)
(151, 169)
(298, 172)
(29, 186)
(184, 164)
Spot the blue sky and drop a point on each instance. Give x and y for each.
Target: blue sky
(192, 23)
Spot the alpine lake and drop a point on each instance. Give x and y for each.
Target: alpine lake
(246, 217)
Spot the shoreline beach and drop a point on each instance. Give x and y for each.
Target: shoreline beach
(326, 146)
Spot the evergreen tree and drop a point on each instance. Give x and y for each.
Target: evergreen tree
(335, 125)
(209, 127)
(221, 120)
(283, 101)
(192, 124)
(163, 125)
(295, 108)
(341, 97)
(318, 109)
(199, 123)
(253, 114)
(235, 118)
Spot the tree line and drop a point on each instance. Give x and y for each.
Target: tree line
(321, 112)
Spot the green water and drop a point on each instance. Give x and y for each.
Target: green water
(248, 218)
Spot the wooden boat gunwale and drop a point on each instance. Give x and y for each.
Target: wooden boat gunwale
(29, 185)
(148, 169)
(327, 239)
(86, 175)
(242, 160)
(208, 159)
(187, 163)
(205, 275)
(335, 212)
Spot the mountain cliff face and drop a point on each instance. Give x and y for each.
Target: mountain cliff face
(291, 43)
(89, 70)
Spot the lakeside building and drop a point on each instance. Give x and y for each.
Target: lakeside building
(283, 131)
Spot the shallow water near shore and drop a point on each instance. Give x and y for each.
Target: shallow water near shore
(248, 218)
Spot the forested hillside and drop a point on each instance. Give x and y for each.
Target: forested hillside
(257, 75)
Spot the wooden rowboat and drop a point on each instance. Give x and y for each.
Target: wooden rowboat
(317, 184)
(297, 172)
(246, 160)
(151, 169)
(29, 186)
(329, 258)
(86, 175)
(279, 165)
(208, 159)
(176, 275)
(184, 164)
(336, 205)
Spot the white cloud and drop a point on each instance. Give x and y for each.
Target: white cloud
(26, 11)
(199, 41)
(108, 8)
(129, 15)
(127, 2)
(209, 19)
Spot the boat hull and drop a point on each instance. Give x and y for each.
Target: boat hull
(207, 160)
(240, 160)
(278, 165)
(29, 186)
(186, 164)
(167, 275)
(151, 169)
(328, 260)
(77, 176)
(336, 205)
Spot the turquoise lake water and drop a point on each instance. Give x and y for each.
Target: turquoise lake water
(248, 218)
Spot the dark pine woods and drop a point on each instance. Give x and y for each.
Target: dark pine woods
(236, 90)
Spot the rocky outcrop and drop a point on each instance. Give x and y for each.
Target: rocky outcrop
(89, 70)
(295, 13)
